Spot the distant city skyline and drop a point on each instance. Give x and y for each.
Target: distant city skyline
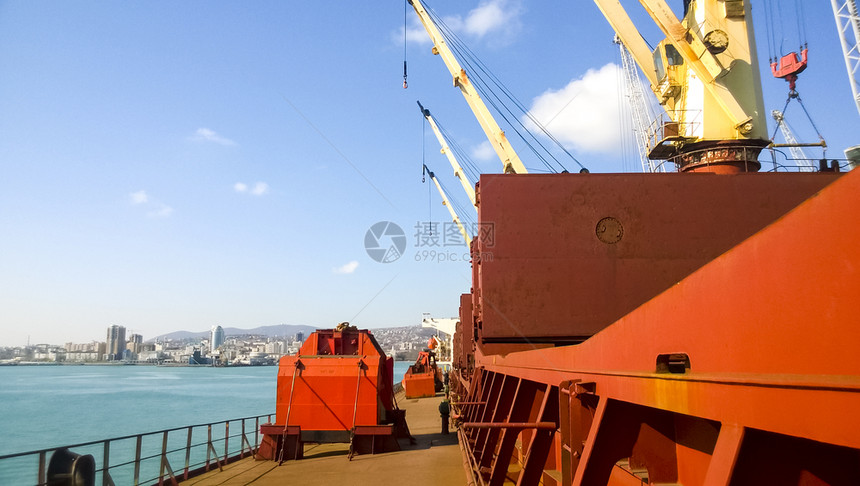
(242, 348)
(116, 330)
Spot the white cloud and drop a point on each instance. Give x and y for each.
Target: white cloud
(260, 189)
(584, 115)
(161, 211)
(347, 268)
(154, 208)
(484, 152)
(207, 135)
(415, 33)
(490, 16)
(139, 197)
(493, 15)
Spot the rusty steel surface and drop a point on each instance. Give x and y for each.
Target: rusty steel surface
(572, 253)
(464, 342)
(744, 370)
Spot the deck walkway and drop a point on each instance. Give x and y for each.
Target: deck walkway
(434, 459)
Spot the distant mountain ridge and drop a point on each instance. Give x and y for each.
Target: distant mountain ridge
(280, 330)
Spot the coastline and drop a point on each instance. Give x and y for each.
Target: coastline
(121, 363)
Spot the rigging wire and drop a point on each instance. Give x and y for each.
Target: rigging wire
(801, 30)
(481, 68)
(462, 211)
(473, 173)
(817, 132)
(466, 214)
(796, 95)
(800, 18)
(484, 78)
(780, 24)
(768, 31)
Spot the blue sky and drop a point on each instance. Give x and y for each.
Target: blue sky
(177, 165)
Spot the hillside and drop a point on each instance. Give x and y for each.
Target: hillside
(280, 330)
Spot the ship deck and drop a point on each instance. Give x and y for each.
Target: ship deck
(434, 459)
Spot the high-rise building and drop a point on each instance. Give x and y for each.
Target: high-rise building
(115, 342)
(217, 338)
(300, 336)
(134, 343)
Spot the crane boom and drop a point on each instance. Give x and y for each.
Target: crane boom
(447, 204)
(458, 171)
(510, 160)
(848, 25)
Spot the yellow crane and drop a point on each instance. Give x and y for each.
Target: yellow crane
(458, 171)
(510, 160)
(447, 204)
(705, 74)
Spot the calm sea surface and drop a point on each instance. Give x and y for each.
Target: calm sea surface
(51, 406)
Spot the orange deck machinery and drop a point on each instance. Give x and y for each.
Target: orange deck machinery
(422, 378)
(339, 388)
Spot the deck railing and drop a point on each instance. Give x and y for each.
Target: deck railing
(163, 457)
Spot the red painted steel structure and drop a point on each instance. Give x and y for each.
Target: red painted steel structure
(789, 66)
(338, 388)
(679, 329)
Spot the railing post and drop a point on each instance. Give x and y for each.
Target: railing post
(226, 439)
(208, 444)
(43, 474)
(137, 448)
(106, 479)
(187, 453)
(242, 441)
(211, 448)
(245, 442)
(161, 461)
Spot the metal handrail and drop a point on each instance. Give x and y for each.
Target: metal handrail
(656, 131)
(193, 461)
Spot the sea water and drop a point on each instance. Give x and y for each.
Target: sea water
(51, 406)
